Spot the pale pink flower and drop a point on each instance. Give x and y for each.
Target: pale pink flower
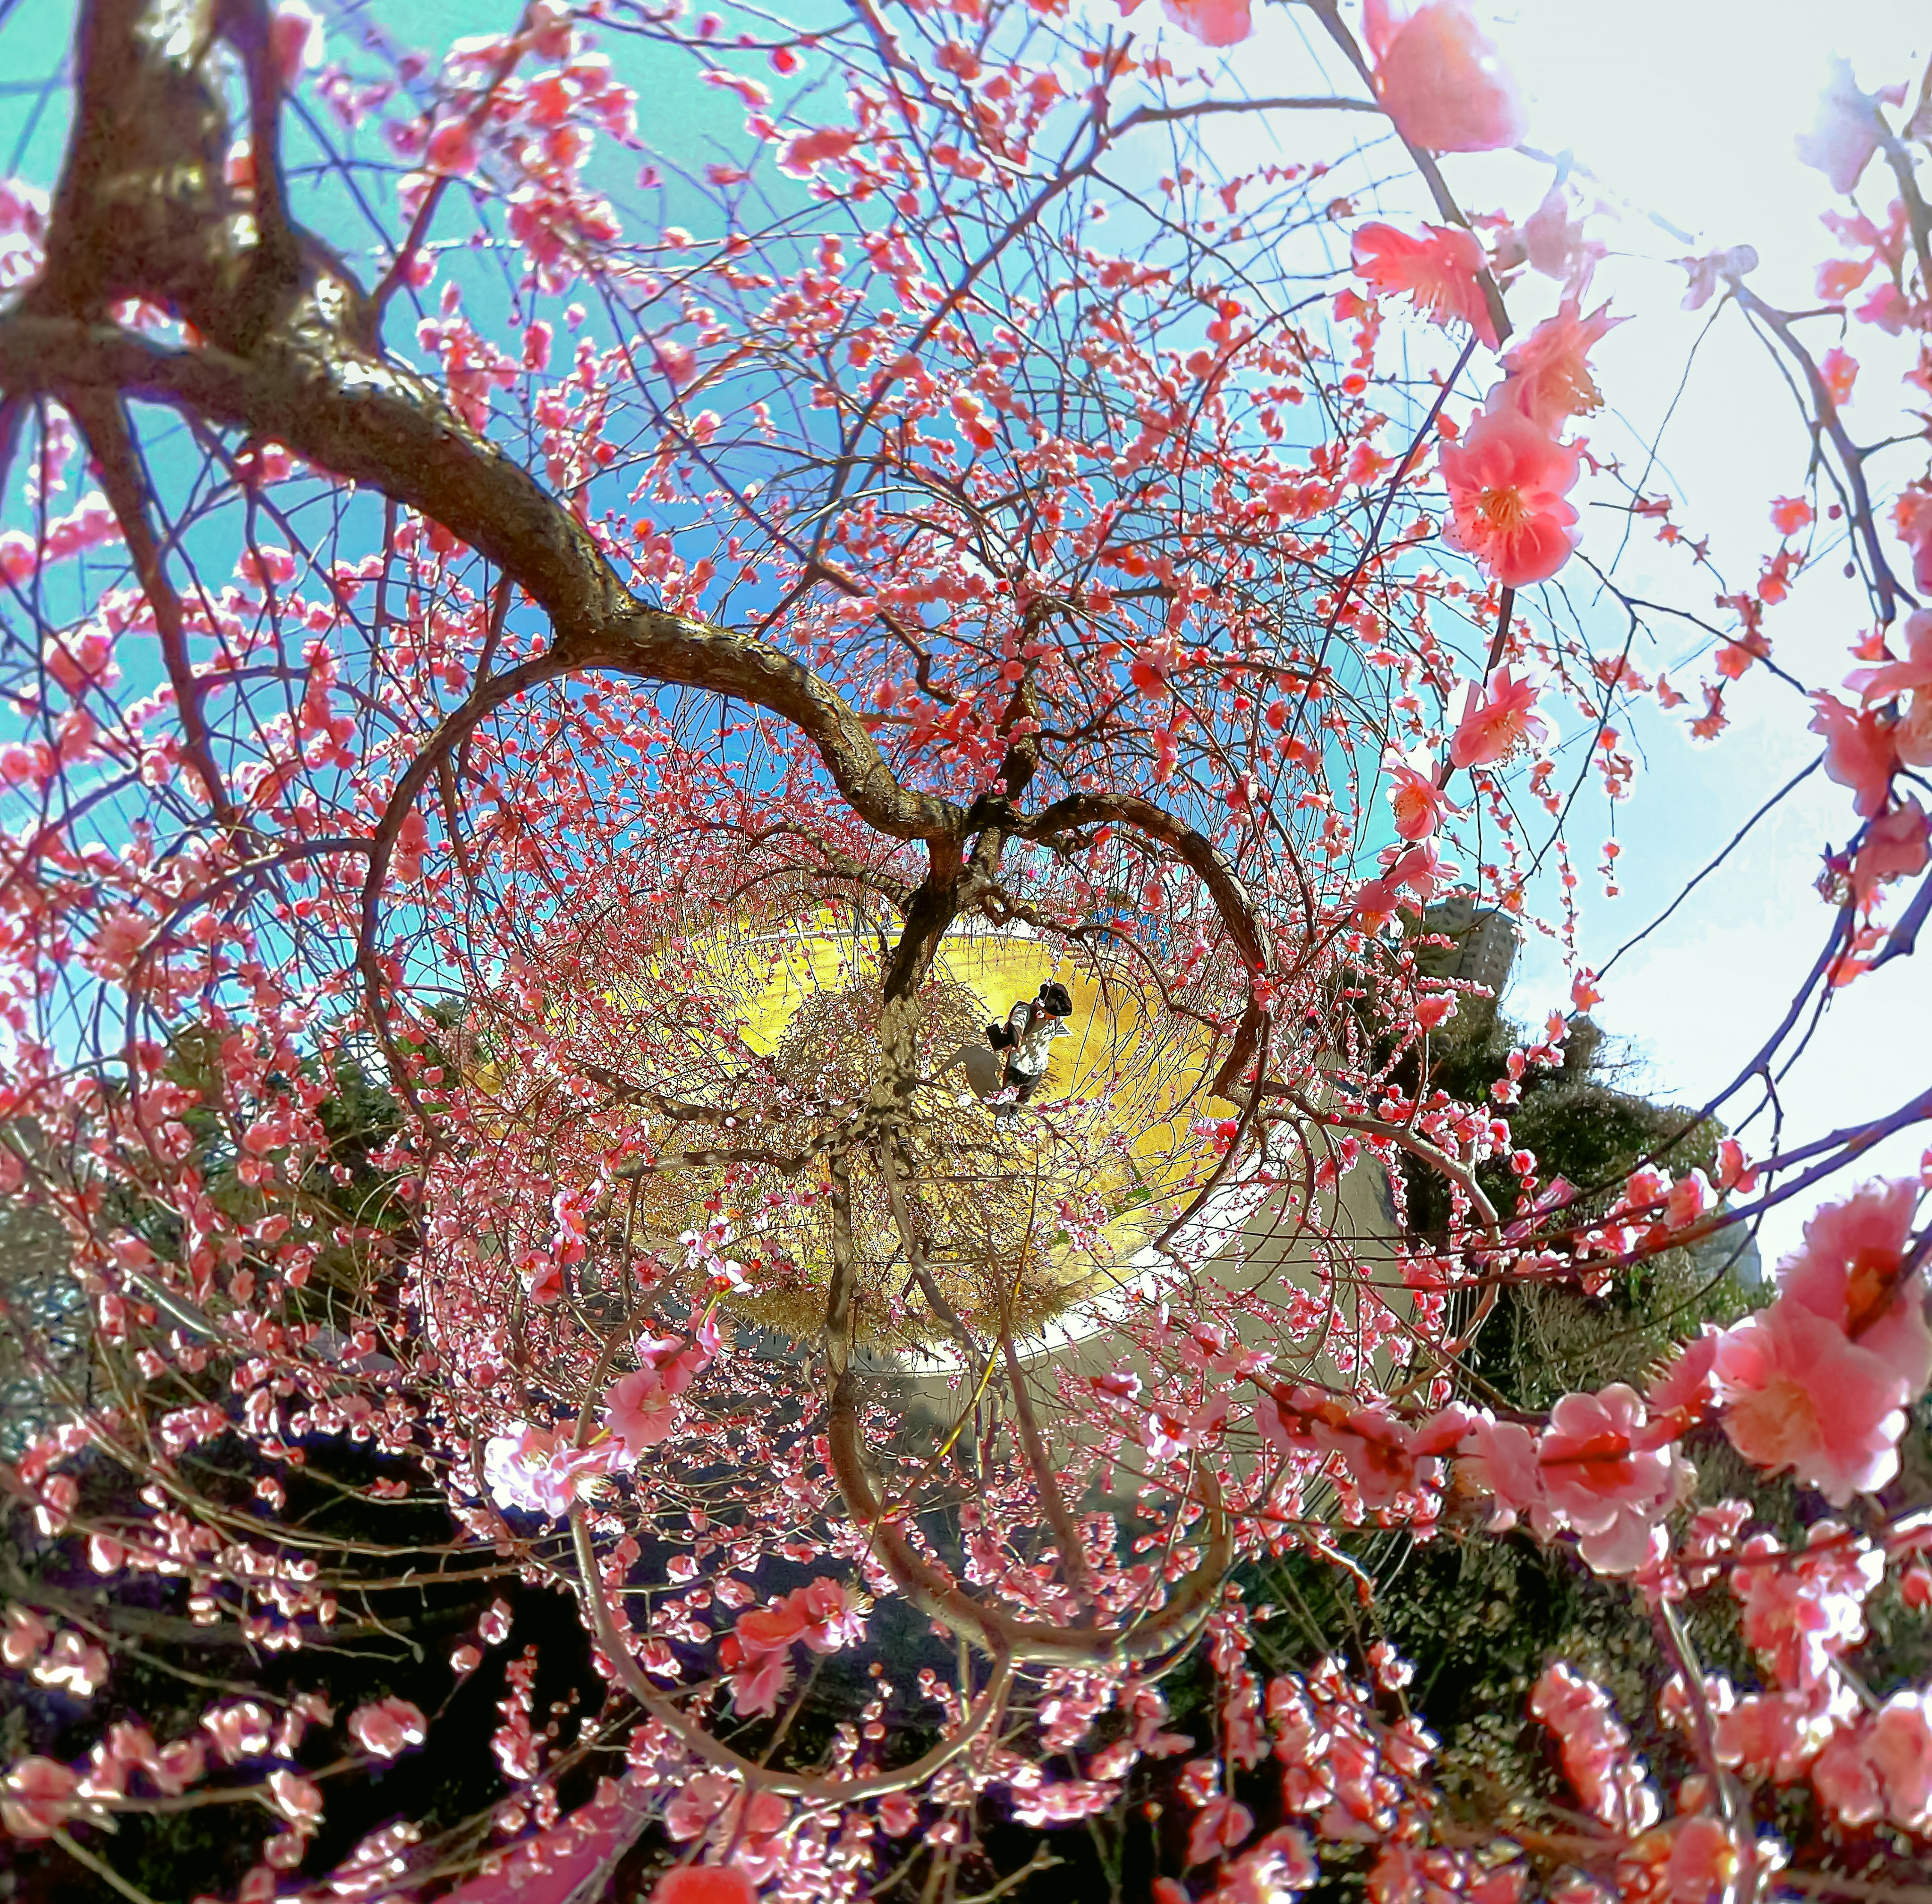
(299, 1800)
(1846, 132)
(1500, 1459)
(1776, 1735)
(1420, 867)
(1419, 803)
(1492, 728)
(1549, 376)
(1798, 1394)
(35, 1796)
(1600, 1474)
(1860, 753)
(1898, 1748)
(384, 1728)
(1440, 80)
(534, 1468)
(1214, 22)
(1882, 1767)
(1554, 243)
(1847, 1271)
(1506, 479)
(1800, 1611)
(26, 1639)
(75, 1666)
(1441, 273)
(240, 1730)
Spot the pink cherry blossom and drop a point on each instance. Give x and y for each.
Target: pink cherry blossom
(640, 1410)
(387, 1727)
(1500, 1459)
(1441, 80)
(1553, 242)
(1912, 515)
(1801, 1610)
(1506, 479)
(26, 1637)
(1703, 1860)
(1882, 1767)
(538, 1470)
(1601, 1473)
(1419, 803)
(1441, 273)
(1860, 752)
(34, 1795)
(1550, 377)
(1214, 22)
(1798, 1394)
(1220, 1825)
(298, 1799)
(1893, 847)
(1491, 729)
(1911, 677)
(1846, 132)
(295, 40)
(1847, 1271)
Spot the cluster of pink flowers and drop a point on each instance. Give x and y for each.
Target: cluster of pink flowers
(1820, 1381)
(63, 1660)
(538, 1470)
(1613, 1783)
(641, 1409)
(756, 1653)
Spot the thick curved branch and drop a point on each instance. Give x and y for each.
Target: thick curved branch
(374, 423)
(763, 1778)
(1192, 1599)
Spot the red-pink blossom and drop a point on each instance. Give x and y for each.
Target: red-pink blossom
(1491, 729)
(297, 1798)
(1703, 1861)
(1601, 1472)
(1553, 242)
(1550, 376)
(804, 152)
(26, 1637)
(1419, 803)
(1893, 847)
(1860, 752)
(1220, 1825)
(1912, 514)
(1848, 1271)
(1801, 1610)
(1440, 78)
(387, 1727)
(1214, 22)
(1506, 479)
(1440, 273)
(640, 1410)
(35, 1796)
(295, 40)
